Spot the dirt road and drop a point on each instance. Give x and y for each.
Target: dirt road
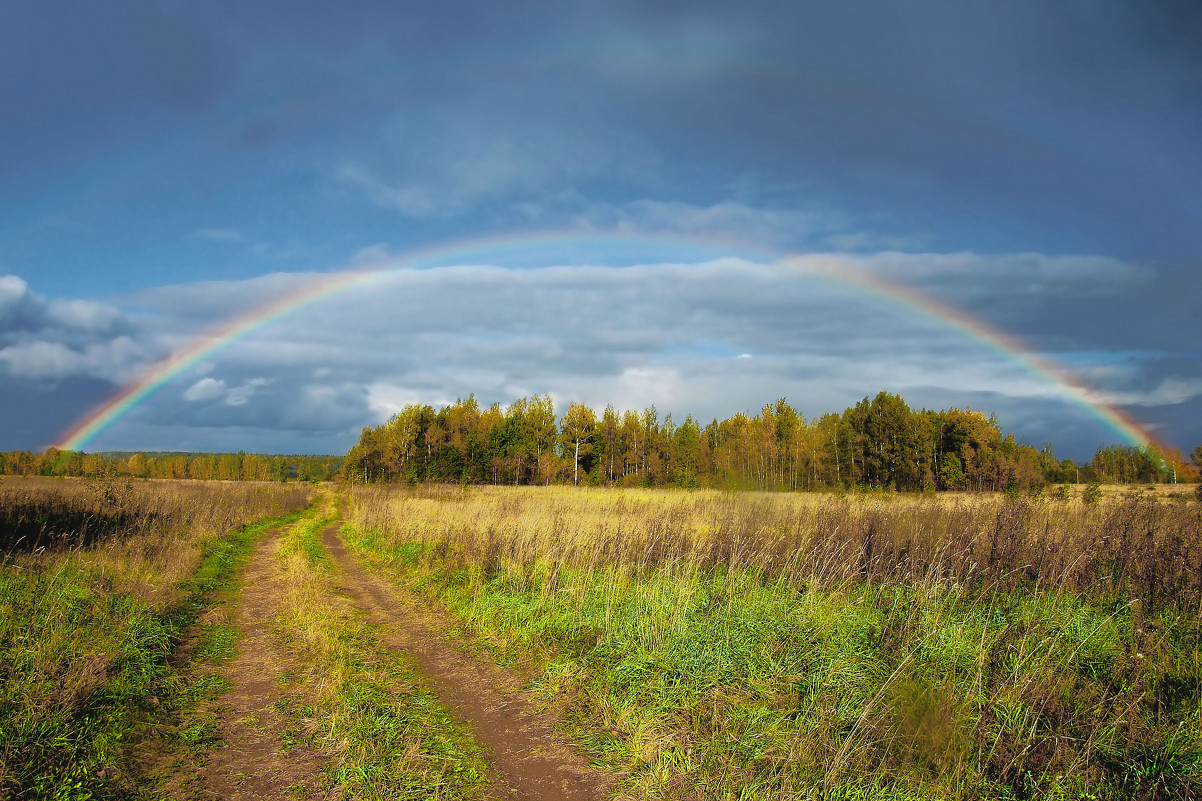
(252, 762)
(529, 761)
(260, 758)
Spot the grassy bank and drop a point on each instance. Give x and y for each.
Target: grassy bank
(777, 646)
(98, 580)
(358, 701)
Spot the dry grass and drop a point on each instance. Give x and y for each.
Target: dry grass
(795, 646)
(1126, 546)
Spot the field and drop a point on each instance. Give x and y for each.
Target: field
(186, 640)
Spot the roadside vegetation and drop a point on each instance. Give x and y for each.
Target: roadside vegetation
(752, 645)
(703, 644)
(99, 580)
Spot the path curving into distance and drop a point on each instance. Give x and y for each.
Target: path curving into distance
(529, 762)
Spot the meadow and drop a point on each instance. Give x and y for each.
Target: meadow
(756, 645)
(696, 644)
(99, 580)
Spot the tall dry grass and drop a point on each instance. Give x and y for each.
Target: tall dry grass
(798, 646)
(1124, 547)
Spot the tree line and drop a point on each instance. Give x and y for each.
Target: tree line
(203, 466)
(879, 442)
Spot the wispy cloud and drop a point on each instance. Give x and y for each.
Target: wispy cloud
(457, 163)
(206, 389)
(729, 220)
(241, 394)
(1171, 391)
(219, 234)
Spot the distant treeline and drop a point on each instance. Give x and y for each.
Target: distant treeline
(206, 466)
(879, 442)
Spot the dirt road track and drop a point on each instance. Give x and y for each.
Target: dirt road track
(251, 763)
(529, 761)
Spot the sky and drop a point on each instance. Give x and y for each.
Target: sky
(701, 206)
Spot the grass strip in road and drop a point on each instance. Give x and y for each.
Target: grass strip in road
(391, 737)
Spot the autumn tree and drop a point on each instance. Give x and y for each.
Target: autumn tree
(575, 433)
(608, 439)
(541, 428)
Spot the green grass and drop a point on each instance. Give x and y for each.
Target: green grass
(717, 682)
(89, 685)
(388, 736)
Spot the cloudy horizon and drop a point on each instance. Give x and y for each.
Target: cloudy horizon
(717, 181)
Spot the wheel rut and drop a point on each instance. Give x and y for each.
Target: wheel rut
(252, 762)
(530, 762)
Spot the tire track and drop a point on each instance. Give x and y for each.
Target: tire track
(251, 763)
(530, 762)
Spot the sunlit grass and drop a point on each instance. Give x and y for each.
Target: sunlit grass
(761, 646)
(91, 606)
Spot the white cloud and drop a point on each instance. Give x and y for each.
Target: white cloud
(212, 389)
(51, 340)
(640, 387)
(43, 360)
(23, 311)
(82, 315)
(119, 360)
(13, 291)
(1171, 391)
(727, 220)
(703, 338)
(214, 301)
(239, 395)
(385, 399)
(206, 389)
(973, 277)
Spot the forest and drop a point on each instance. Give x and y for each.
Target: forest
(202, 466)
(880, 442)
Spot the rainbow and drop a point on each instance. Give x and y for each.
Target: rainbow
(560, 247)
(1118, 421)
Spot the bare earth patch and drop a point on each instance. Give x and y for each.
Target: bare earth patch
(528, 759)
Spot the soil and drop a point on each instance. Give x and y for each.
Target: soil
(252, 762)
(529, 761)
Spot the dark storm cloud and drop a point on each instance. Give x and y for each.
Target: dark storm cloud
(78, 74)
(33, 415)
(1070, 120)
